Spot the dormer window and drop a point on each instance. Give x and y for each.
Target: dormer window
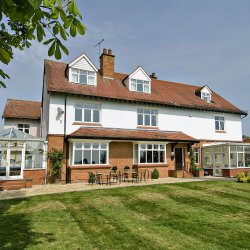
(83, 76)
(206, 97)
(139, 85)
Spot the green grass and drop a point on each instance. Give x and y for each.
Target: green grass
(198, 215)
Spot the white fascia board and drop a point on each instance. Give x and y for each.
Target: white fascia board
(207, 88)
(87, 59)
(140, 69)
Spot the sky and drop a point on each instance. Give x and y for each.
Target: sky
(195, 42)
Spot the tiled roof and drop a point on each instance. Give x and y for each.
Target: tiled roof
(130, 134)
(22, 109)
(162, 92)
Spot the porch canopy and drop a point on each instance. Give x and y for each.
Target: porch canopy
(226, 156)
(20, 151)
(131, 134)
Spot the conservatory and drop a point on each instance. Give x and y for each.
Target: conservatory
(226, 159)
(22, 156)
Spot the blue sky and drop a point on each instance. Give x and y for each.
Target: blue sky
(195, 42)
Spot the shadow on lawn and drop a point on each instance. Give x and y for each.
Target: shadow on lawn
(15, 228)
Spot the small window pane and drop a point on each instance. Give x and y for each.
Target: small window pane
(103, 157)
(78, 145)
(155, 156)
(87, 145)
(95, 157)
(75, 71)
(74, 78)
(139, 87)
(147, 120)
(87, 115)
(140, 119)
(149, 146)
(162, 156)
(96, 145)
(91, 80)
(155, 146)
(142, 156)
(143, 146)
(83, 79)
(146, 88)
(87, 157)
(91, 73)
(133, 86)
(149, 157)
(162, 146)
(78, 157)
(153, 120)
(96, 117)
(78, 115)
(103, 146)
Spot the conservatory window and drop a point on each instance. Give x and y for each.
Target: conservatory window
(24, 128)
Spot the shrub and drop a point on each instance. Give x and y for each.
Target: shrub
(192, 161)
(155, 174)
(243, 177)
(127, 168)
(56, 157)
(114, 168)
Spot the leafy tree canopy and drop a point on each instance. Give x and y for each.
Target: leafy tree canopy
(47, 21)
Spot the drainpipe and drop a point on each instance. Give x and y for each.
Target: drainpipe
(65, 130)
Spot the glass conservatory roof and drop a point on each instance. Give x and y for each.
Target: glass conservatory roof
(15, 134)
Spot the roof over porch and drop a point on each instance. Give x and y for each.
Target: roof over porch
(130, 134)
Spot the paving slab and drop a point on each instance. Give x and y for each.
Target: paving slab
(83, 186)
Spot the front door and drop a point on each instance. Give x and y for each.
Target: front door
(178, 159)
(10, 163)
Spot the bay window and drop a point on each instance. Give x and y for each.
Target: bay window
(149, 153)
(90, 153)
(87, 112)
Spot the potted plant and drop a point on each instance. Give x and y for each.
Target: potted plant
(114, 168)
(155, 174)
(126, 168)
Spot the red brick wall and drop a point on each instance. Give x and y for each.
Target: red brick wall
(233, 172)
(57, 142)
(107, 65)
(37, 176)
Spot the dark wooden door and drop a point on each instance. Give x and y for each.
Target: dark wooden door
(178, 158)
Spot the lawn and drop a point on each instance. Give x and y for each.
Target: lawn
(198, 215)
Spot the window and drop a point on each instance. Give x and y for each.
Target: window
(83, 76)
(140, 85)
(90, 153)
(149, 153)
(87, 112)
(196, 154)
(219, 123)
(24, 128)
(206, 97)
(147, 117)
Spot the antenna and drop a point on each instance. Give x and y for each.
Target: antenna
(99, 45)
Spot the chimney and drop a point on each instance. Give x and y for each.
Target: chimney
(107, 64)
(153, 76)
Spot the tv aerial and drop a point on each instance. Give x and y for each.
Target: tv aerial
(99, 46)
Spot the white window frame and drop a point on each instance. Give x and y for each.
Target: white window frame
(149, 143)
(82, 107)
(134, 82)
(78, 76)
(23, 128)
(144, 113)
(221, 119)
(91, 149)
(206, 97)
(197, 155)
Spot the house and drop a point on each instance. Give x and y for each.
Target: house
(101, 118)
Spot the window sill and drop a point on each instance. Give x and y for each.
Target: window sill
(94, 124)
(90, 166)
(220, 131)
(147, 165)
(33, 169)
(147, 127)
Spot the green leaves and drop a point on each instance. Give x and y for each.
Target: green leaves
(46, 21)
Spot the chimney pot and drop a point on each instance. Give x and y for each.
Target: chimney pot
(110, 52)
(104, 51)
(153, 75)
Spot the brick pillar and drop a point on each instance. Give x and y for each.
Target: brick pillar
(107, 64)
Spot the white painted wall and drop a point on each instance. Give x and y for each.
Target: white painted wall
(34, 125)
(199, 124)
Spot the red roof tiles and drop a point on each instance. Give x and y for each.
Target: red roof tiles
(130, 134)
(162, 92)
(22, 109)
